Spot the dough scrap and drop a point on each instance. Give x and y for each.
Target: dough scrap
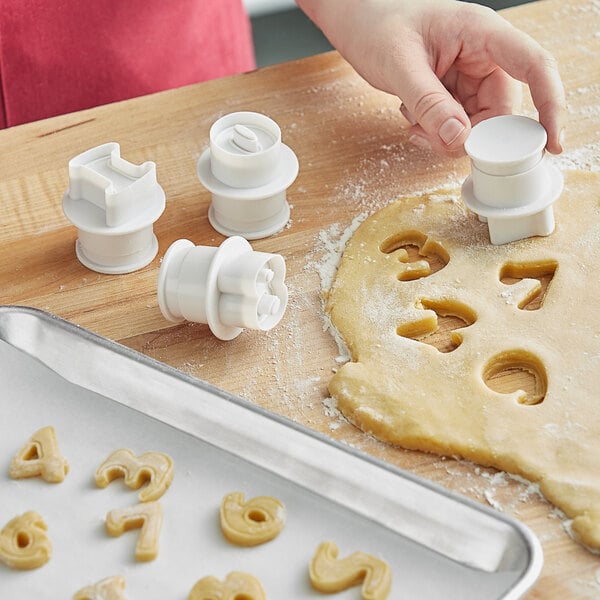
(407, 392)
(329, 574)
(40, 456)
(109, 588)
(147, 517)
(237, 585)
(251, 523)
(155, 468)
(24, 543)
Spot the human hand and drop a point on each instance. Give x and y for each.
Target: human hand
(452, 64)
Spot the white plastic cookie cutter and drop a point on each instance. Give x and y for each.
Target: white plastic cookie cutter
(229, 288)
(247, 169)
(512, 186)
(114, 204)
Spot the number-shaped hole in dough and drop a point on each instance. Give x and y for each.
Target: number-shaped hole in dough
(251, 523)
(529, 282)
(236, 586)
(517, 371)
(24, 543)
(439, 324)
(329, 574)
(419, 256)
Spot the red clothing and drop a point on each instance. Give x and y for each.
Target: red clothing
(58, 56)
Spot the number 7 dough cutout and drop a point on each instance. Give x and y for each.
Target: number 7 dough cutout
(407, 392)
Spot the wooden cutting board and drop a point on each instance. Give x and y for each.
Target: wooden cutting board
(354, 158)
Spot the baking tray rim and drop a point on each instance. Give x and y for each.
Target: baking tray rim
(22, 326)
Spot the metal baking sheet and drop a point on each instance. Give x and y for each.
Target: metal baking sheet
(101, 396)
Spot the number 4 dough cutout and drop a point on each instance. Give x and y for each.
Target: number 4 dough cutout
(40, 456)
(407, 392)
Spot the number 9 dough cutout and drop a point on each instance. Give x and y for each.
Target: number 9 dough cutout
(408, 393)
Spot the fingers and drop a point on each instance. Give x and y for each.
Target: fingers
(443, 124)
(491, 53)
(524, 59)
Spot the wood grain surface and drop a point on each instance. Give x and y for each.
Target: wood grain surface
(354, 157)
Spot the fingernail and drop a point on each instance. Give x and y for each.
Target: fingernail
(451, 130)
(561, 138)
(420, 142)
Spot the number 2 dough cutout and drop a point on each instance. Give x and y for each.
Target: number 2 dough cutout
(40, 456)
(329, 574)
(407, 392)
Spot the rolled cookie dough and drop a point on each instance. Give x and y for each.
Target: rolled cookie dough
(407, 392)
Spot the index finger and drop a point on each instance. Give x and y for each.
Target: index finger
(524, 59)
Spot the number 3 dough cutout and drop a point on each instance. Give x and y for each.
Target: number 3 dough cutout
(251, 523)
(40, 456)
(155, 468)
(406, 392)
(109, 588)
(147, 517)
(328, 574)
(237, 586)
(24, 544)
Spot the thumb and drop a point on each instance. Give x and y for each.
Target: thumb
(438, 120)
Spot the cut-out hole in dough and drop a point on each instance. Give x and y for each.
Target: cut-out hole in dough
(419, 255)
(439, 329)
(533, 295)
(32, 453)
(23, 539)
(258, 516)
(517, 371)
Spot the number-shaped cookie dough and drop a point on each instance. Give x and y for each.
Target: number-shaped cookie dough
(155, 468)
(40, 456)
(251, 523)
(237, 586)
(147, 517)
(328, 574)
(24, 543)
(109, 588)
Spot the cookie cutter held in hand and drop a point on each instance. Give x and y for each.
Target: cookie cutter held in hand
(513, 185)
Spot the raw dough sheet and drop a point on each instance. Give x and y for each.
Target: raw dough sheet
(408, 392)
